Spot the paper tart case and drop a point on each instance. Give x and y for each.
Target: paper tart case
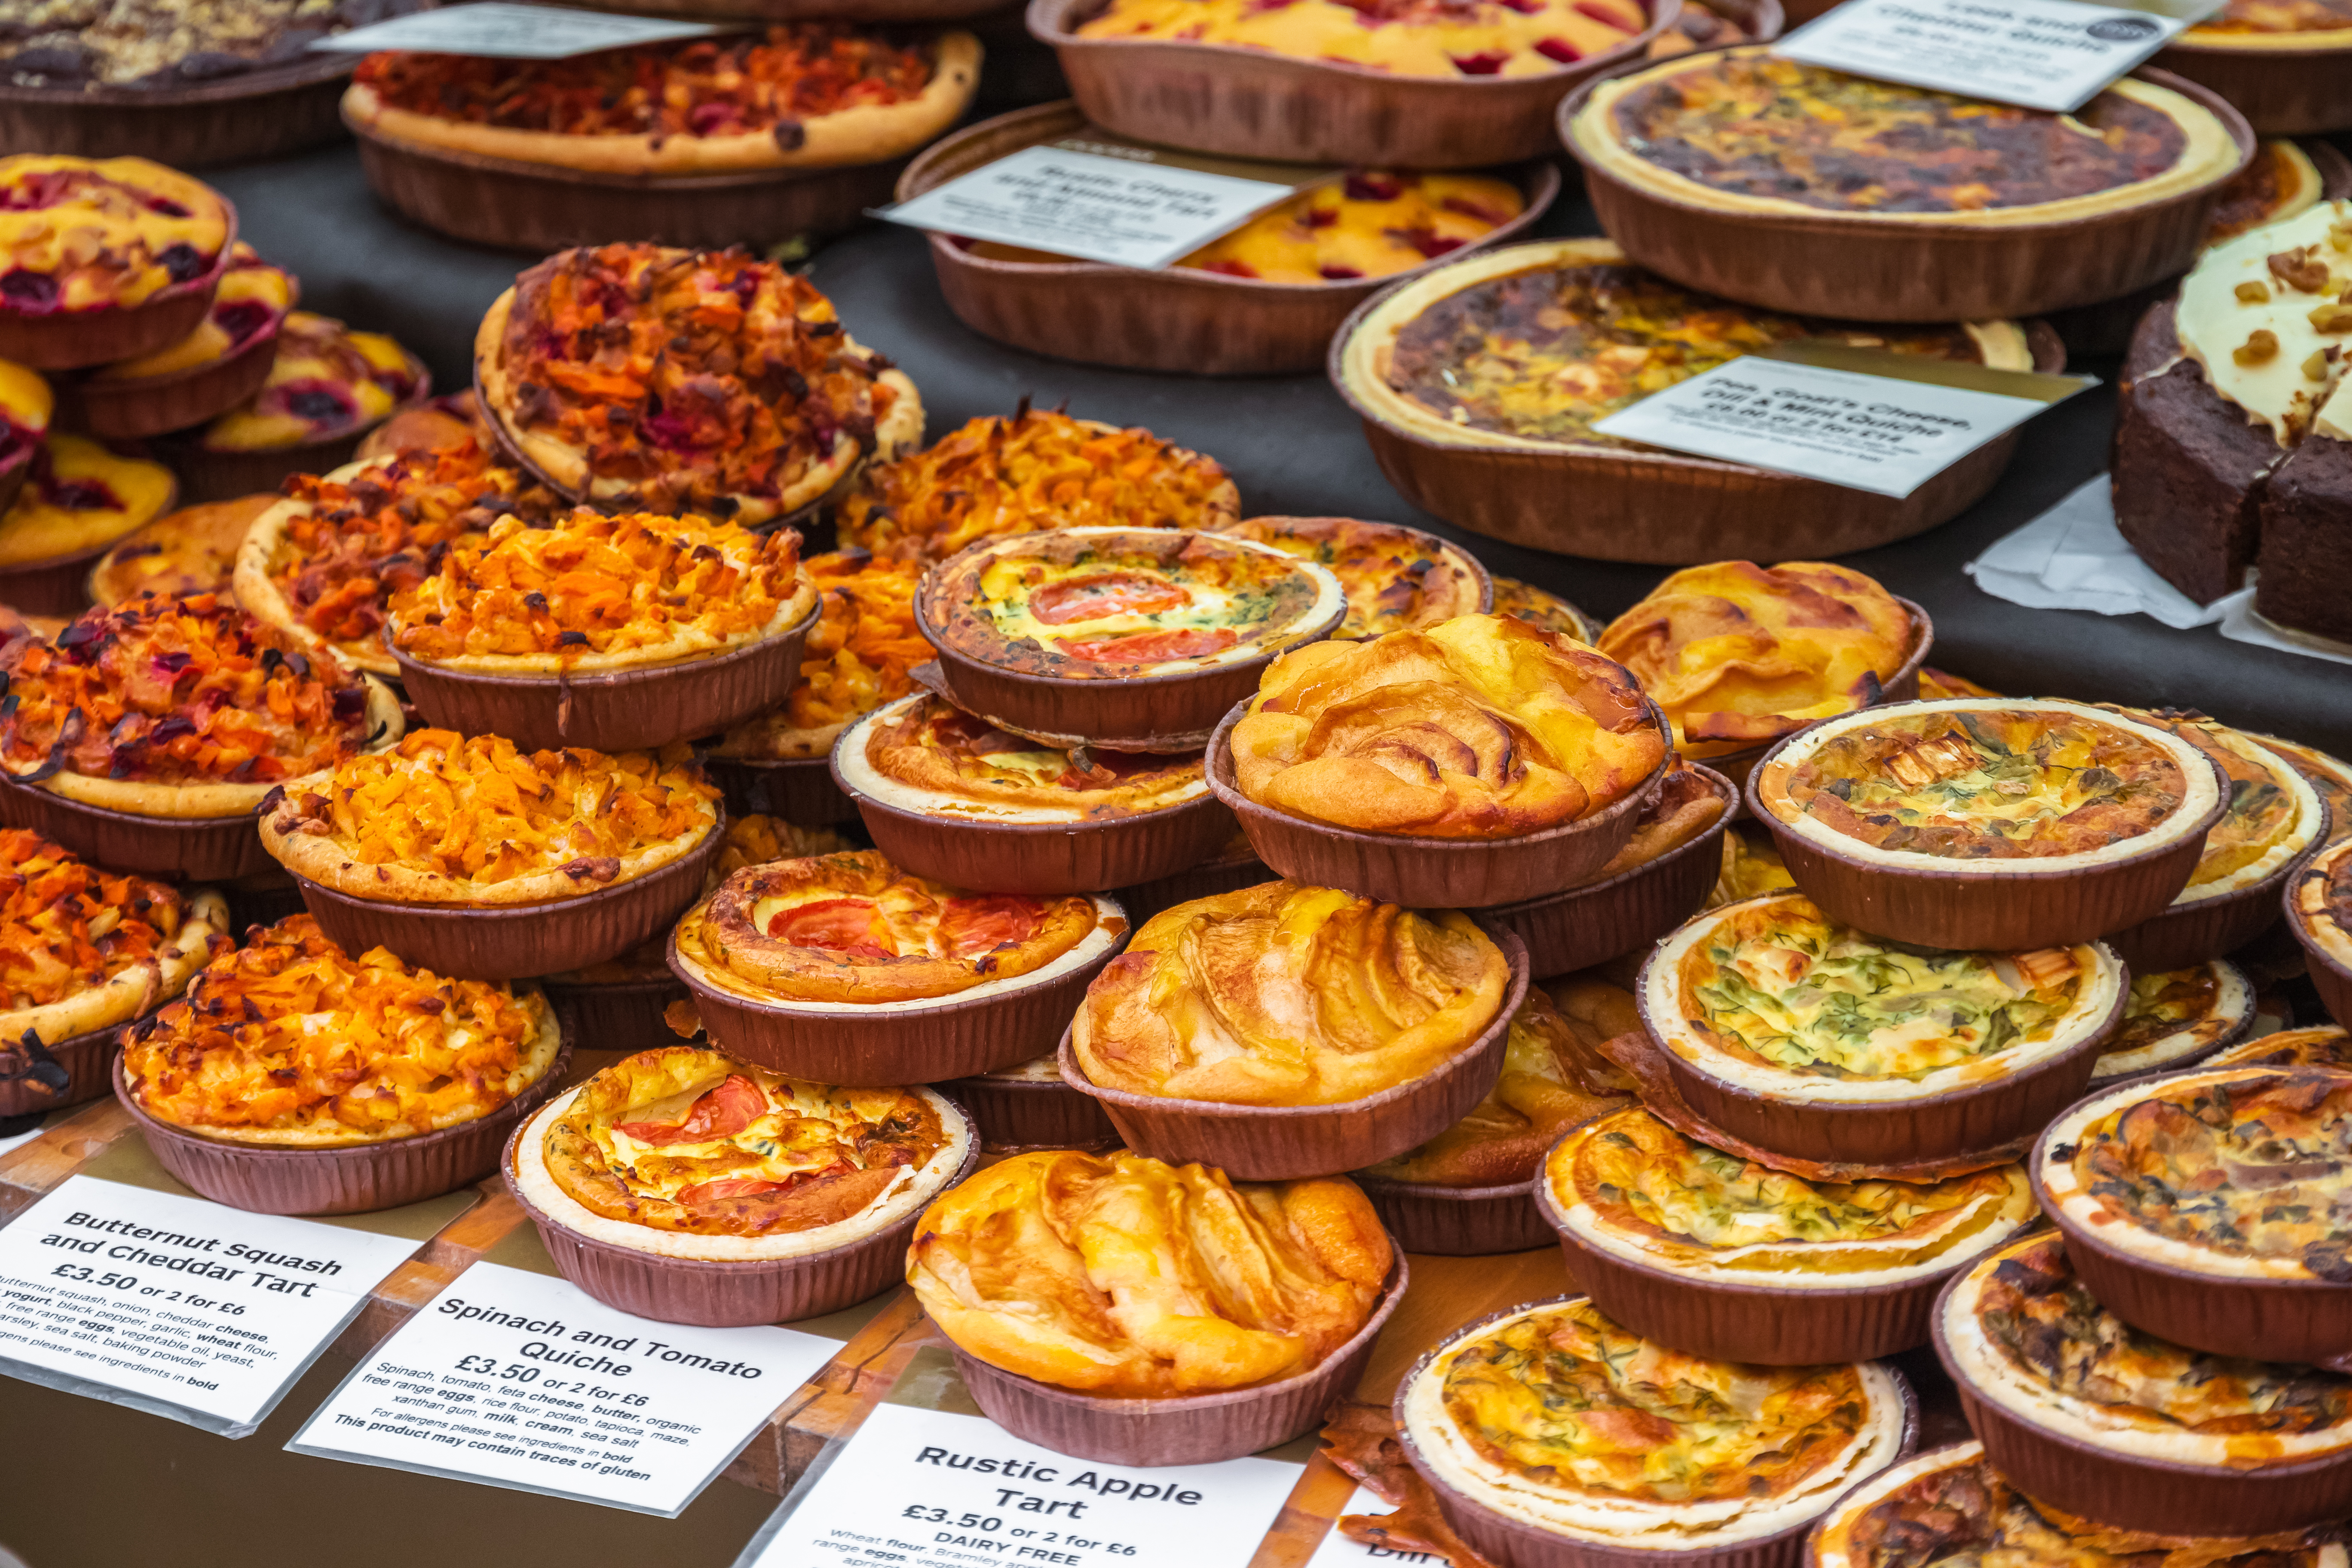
(59, 585)
(1288, 1142)
(1185, 1430)
(2191, 933)
(178, 848)
(1178, 320)
(87, 1060)
(2136, 1493)
(915, 1043)
(1457, 1222)
(1860, 269)
(357, 1179)
(800, 789)
(131, 410)
(1228, 871)
(710, 1294)
(75, 340)
(520, 941)
(1431, 873)
(263, 113)
(621, 1015)
(2331, 976)
(1015, 1115)
(2281, 89)
(1514, 1543)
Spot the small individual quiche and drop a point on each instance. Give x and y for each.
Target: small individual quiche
(1396, 579)
(1550, 1432)
(1538, 608)
(2177, 1018)
(1802, 1036)
(799, 95)
(1040, 468)
(104, 258)
(924, 755)
(856, 660)
(83, 951)
(1476, 39)
(2330, 775)
(2325, 1045)
(1739, 655)
(191, 551)
(1750, 866)
(218, 365)
(1691, 1244)
(689, 1186)
(649, 377)
(327, 386)
(1989, 821)
(79, 498)
(2110, 1421)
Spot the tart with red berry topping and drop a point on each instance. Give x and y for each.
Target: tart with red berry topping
(104, 259)
(327, 387)
(212, 370)
(79, 498)
(27, 407)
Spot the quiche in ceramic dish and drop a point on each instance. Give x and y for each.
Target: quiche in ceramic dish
(220, 365)
(104, 258)
(78, 497)
(2177, 1018)
(1135, 1312)
(1989, 821)
(1396, 579)
(298, 1078)
(2319, 914)
(689, 1187)
(1807, 1038)
(328, 386)
(666, 380)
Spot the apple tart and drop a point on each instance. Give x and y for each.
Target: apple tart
(1396, 579)
(856, 660)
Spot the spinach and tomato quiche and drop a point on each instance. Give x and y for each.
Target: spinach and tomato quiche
(1395, 578)
(1552, 1419)
(2174, 1017)
(1748, 130)
(792, 95)
(1406, 37)
(923, 755)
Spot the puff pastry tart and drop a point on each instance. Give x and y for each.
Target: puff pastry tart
(104, 259)
(494, 861)
(675, 380)
(146, 735)
(1551, 1433)
(838, 960)
(1396, 579)
(690, 1186)
(1118, 1279)
(2115, 1423)
(298, 1078)
(83, 951)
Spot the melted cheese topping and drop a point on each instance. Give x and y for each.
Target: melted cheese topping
(82, 234)
(252, 299)
(2173, 1015)
(80, 497)
(1634, 1187)
(2254, 313)
(1556, 1417)
(1409, 37)
(922, 754)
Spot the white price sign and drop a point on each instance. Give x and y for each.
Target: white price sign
(174, 1305)
(495, 30)
(2054, 55)
(516, 1379)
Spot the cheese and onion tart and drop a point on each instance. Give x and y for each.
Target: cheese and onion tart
(293, 1043)
(857, 658)
(1482, 727)
(83, 950)
(2175, 1017)
(191, 550)
(690, 1153)
(2326, 1046)
(1553, 1419)
(86, 235)
(1395, 578)
(1403, 37)
(1107, 603)
(453, 820)
(2270, 813)
(852, 932)
(1285, 995)
(79, 497)
(1126, 1278)
(924, 754)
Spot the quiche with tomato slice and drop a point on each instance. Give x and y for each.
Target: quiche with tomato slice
(797, 95)
(1405, 38)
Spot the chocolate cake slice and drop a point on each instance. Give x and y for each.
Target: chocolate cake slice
(2306, 584)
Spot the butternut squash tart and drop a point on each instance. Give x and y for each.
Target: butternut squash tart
(83, 950)
(856, 660)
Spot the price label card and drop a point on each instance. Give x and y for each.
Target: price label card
(2038, 54)
(516, 1379)
(935, 1489)
(495, 30)
(1337, 1551)
(174, 1305)
(1863, 418)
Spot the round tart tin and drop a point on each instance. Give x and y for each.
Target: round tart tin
(1018, 1111)
(1037, 858)
(1458, 1222)
(711, 1294)
(1431, 873)
(1992, 904)
(86, 1060)
(1186, 1429)
(1288, 1142)
(616, 711)
(2306, 902)
(357, 1179)
(2281, 90)
(798, 790)
(957, 1037)
(77, 340)
(1179, 319)
(263, 113)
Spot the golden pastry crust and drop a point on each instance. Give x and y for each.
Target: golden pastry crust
(1685, 806)
(83, 234)
(926, 754)
(1738, 654)
(2271, 812)
(244, 1058)
(448, 819)
(1465, 38)
(1396, 579)
(189, 552)
(2327, 1046)
(79, 497)
(1040, 468)
(1484, 727)
(854, 928)
(1119, 1276)
(857, 658)
(1280, 995)
(2330, 777)
(83, 950)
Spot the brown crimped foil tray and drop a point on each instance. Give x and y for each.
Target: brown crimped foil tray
(800, 789)
(87, 1060)
(2281, 91)
(1458, 1222)
(77, 340)
(263, 113)
(1225, 874)
(1017, 1114)
(182, 849)
(156, 405)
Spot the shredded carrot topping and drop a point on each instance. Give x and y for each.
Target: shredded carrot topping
(589, 583)
(407, 1047)
(189, 689)
(67, 927)
(857, 655)
(1038, 469)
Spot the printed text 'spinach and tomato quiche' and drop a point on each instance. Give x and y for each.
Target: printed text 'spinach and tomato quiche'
(1405, 38)
(247, 310)
(456, 821)
(183, 709)
(1547, 611)
(1746, 132)
(2254, 26)
(1738, 654)
(2271, 814)
(1551, 1420)
(688, 1153)
(291, 1042)
(1038, 469)
(2174, 1016)
(1482, 727)
(324, 560)
(1284, 996)
(856, 660)
(1525, 348)
(796, 96)
(191, 550)
(327, 383)
(1119, 1276)
(78, 497)
(924, 754)
(81, 236)
(679, 379)
(1396, 579)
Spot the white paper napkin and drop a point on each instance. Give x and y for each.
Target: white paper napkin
(2242, 625)
(2072, 558)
